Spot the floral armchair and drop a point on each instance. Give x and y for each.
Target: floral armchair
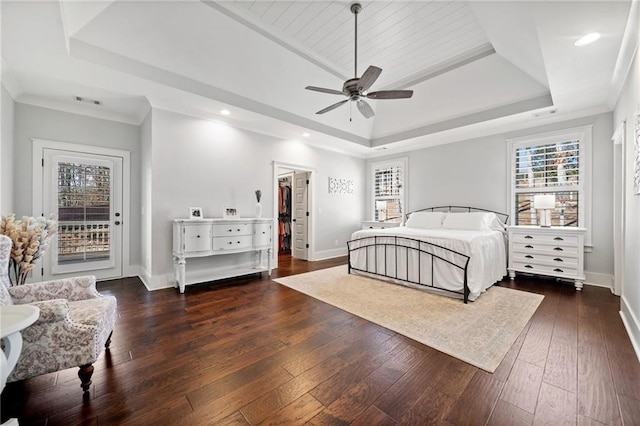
(75, 323)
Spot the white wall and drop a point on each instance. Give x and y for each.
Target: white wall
(6, 153)
(200, 163)
(627, 107)
(474, 173)
(44, 123)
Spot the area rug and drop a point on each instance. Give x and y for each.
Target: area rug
(479, 333)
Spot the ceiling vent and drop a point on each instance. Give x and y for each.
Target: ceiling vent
(87, 100)
(544, 113)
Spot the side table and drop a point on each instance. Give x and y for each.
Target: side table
(13, 319)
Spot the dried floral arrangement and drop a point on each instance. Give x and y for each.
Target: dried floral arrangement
(31, 237)
(258, 195)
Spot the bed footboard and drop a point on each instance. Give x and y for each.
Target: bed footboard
(411, 261)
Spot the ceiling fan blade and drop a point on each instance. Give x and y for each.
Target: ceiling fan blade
(323, 90)
(365, 109)
(368, 78)
(332, 107)
(390, 94)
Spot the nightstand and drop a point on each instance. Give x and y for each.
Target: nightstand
(556, 252)
(373, 224)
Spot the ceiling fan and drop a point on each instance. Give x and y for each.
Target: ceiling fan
(356, 89)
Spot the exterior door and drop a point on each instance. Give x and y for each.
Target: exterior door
(301, 215)
(84, 192)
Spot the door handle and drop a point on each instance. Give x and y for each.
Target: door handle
(117, 222)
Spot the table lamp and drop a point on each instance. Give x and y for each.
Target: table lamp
(545, 203)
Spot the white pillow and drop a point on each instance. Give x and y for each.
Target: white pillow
(476, 221)
(426, 220)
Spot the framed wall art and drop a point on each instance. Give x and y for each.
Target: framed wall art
(195, 213)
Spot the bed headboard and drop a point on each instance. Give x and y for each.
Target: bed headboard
(452, 209)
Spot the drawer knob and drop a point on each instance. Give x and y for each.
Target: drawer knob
(557, 259)
(230, 242)
(528, 237)
(559, 239)
(198, 236)
(238, 242)
(528, 266)
(528, 246)
(558, 249)
(529, 256)
(230, 230)
(238, 229)
(558, 270)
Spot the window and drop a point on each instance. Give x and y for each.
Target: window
(388, 189)
(557, 164)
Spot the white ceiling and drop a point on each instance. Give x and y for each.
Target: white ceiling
(476, 68)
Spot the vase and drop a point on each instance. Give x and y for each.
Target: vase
(258, 210)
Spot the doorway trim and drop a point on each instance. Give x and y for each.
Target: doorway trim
(38, 147)
(311, 223)
(619, 206)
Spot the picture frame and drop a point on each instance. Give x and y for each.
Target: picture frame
(195, 213)
(230, 212)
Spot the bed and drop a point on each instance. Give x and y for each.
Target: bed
(455, 249)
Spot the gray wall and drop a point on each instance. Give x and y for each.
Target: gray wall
(44, 123)
(627, 107)
(474, 172)
(200, 163)
(6, 153)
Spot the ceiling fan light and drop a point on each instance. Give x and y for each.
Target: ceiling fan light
(225, 112)
(587, 39)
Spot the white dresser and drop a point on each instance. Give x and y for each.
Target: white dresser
(215, 237)
(556, 251)
(374, 224)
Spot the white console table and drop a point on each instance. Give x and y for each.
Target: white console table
(214, 237)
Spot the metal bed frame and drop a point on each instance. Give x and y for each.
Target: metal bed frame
(421, 248)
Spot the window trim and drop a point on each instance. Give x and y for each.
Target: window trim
(404, 163)
(584, 135)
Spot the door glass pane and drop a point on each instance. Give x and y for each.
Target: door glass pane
(84, 198)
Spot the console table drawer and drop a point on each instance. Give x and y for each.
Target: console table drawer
(232, 243)
(232, 229)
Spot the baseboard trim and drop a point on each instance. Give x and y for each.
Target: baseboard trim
(632, 325)
(598, 280)
(330, 254)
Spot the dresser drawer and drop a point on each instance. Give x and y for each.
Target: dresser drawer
(232, 243)
(556, 271)
(554, 249)
(533, 237)
(232, 229)
(546, 259)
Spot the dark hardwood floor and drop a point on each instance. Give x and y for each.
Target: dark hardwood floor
(250, 351)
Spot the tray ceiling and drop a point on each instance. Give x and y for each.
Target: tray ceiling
(475, 67)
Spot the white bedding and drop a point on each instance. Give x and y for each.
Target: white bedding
(486, 249)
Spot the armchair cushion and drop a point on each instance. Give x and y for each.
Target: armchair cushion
(52, 310)
(77, 288)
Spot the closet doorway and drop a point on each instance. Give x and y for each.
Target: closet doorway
(293, 205)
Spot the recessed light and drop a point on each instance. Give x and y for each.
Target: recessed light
(586, 39)
(225, 112)
(306, 135)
